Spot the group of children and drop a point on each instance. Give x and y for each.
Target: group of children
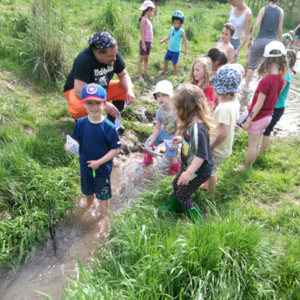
(201, 116)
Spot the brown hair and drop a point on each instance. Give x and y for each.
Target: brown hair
(291, 55)
(218, 55)
(190, 101)
(230, 27)
(208, 71)
(281, 62)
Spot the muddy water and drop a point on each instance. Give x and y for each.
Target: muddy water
(289, 123)
(47, 272)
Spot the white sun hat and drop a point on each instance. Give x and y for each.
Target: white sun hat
(164, 87)
(274, 45)
(147, 4)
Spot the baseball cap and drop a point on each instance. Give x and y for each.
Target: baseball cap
(146, 4)
(274, 45)
(164, 87)
(94, 92)
(227, 80)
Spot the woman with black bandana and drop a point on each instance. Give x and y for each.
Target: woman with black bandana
(97, 64)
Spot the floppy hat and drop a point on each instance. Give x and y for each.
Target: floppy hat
(274, 45)
(227, 80)
(146, 4)
(94, 92)
(164, 87)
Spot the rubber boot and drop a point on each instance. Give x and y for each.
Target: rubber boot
(194, 213)
(174, 168)
(174, 205)
(147, 158)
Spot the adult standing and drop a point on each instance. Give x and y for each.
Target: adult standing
(297, 39)
(240, 16)
(97, 64)
(270, 20)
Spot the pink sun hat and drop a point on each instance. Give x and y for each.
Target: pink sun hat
(147, 4)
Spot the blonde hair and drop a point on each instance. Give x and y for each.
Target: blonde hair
(281, 62)
(208, 71)
(190, 101)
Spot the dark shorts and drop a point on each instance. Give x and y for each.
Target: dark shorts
(148, 48)
(98, 185)
(173, 56)
(277, 114)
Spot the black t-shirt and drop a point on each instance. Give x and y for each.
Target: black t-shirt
(297, 31)
(88, 69)
(195, 142)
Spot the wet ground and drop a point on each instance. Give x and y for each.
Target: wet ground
(47, 272)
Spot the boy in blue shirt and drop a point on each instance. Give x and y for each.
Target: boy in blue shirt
(99, 143)
(176, 35)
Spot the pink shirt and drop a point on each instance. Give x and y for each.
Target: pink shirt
(148, 33)
(270, 86)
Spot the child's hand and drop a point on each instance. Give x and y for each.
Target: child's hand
(177, 139)
(93, 164)
(66, 148)
(185, 54)
(161, 41)
(150, 144)
(144, 48)
(246, 125)
(184, 179)
(151, 46)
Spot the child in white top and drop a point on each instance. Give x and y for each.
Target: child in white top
(227, 33)
(165, 127)
(226, 86)
(146, 36)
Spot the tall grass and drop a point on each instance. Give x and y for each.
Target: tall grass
(46, 43)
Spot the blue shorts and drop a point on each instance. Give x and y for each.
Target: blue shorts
(235, 43)
(98, 185)
(297, 37)
(173, 56)
(160, 139)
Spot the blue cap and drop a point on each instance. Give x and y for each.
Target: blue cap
(227, 80)
(94, 92)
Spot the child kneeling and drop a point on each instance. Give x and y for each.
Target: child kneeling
(165, 127)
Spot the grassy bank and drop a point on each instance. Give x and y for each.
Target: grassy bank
(248, 247)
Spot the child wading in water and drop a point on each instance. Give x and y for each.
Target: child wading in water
(99, 143)
(266, 95)
(176, 35)
(146, 36)
(226, 86)
(165, 127)
(227, 33)
(280, 105)
(200, 73)
(195, 122)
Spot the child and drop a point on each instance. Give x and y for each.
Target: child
(99, 143)
(218, 58)
(176, 35)
(279, 107)
(146, 36)
(227, 33)
(226, 86)
(261, 109)
(165, 127)
(194, 120)
(200, 73)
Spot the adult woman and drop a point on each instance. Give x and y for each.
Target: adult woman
(270, 20)
(240, 16)
(297, 38)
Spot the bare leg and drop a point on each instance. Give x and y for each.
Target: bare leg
(175, 69)
(253, 148)
(265, 143)
(140, 62)
(89, 201)
(249, 76)
(165, 67)
(296, 45)
(211, 183)
(104, 206)
(173, 160)
(146, 59)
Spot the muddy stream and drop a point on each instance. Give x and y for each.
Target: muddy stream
(47, 272)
